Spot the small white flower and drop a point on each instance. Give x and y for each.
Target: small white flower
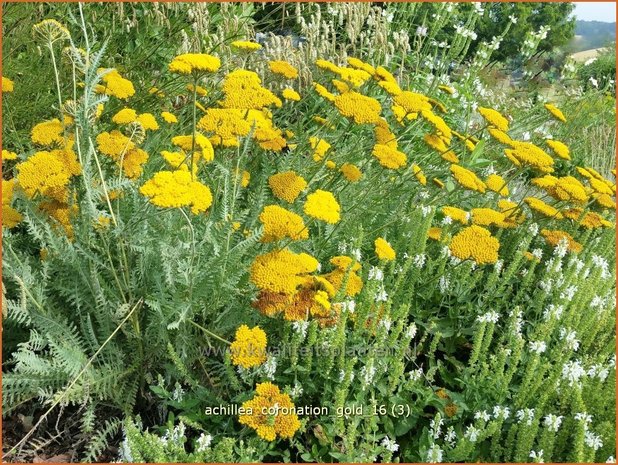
(447, 220)
(203, 442)
(537, 346)
(381, 295)
(296, 391)
(526, 135)
(553, 311)
(342, 247)
(421, 31)
(513, 19)
(367, 375)
(597, 301)
(583, 416)
(472, 433)
(415, 375)
(434, 454)
(411, 331)
(375, 274)
(594, 82)
(450, 436)
(444, 284)
(572, 371)
(389, 444)
(526, 415)
(435, 425)
(570, 337)
(537, 456)
(356, 254)
(552, 422)
(425, 210)
(270, 367)
(482, 415)
(501, 412)
(489, 317)
(592, 440)
(533, 229)
(300, 327)
(419, 260)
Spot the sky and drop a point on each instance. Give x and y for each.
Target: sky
(596, 11)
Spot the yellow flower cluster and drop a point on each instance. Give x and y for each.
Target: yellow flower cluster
(270, 413)
(168, 117)
(188, 63)
(351, 172)
(526, 153)
(389, 157)
(412, 103)
(468, 179)
(319, 146)
(419, 175)
(287, 185)
(494, 118)
(249, 347)
(10, 216)
(290, 94)
(322, 205)
(283, 68)
(555, 237)
(559, 148)
(7, 85)
(476, 243)
(555, 111)
(246, 45)
(280, 223)
(114, 84)
(225, 124)
(565, 188)
(358, 107)
(456, 214)
(487, 217)
(48, 133)
(383, 249)
(243, 89)
(496, 183)
(545, 209)
(44, 174)
(176, 189)
(186, 143)
(8, 155)
(282, 271)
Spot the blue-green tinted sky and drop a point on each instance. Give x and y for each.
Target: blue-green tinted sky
(596, 11)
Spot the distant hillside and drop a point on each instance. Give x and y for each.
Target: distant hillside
(592, 34)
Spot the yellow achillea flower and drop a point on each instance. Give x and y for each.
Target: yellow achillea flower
(243, 89)
(341, 86)
(10, 216)
(326, 65)
(168, 117)
(8, 155)
(267, 136)
(559, 148)
(322, 205)
(496, 183)
(62, 213)
(447, 89)
(132, 162)
(7, 85)
(565, 188)
(319, 146)
(555, 111)
(393, 89)
(47, 133)
(501, 136)
(199, 90)
(359, 64)
(436, 143)
(43, 174)
(356, 77)
(226, 125)
(323, 92)
(290, 94)
(389, 157)
(51, 30)
(283, 68)
(271, 413)
(384, 135)
(114, 84)
(605, 201)
(345, 267)
(246, 45)
(476, 243)
(589, 220)
(287, 185)
(494, 118)
(468, 179)
(487, 217)
(439, 124)
(456, 214)
(419, 175)
(125, 116)
(331, 165)
(280, 223)
(412, 102)
(526, 153)
(207, 153)
(434, 233)
(188, 63)
(282, 271)
(383, 249)
(148, 121)
(350, 172)
(249, 347)
(176, 189)
(555, 237)
(360, 108)
(246, 177)
(382, 74)
(114, 143)
(539, 206)
(601, 186)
